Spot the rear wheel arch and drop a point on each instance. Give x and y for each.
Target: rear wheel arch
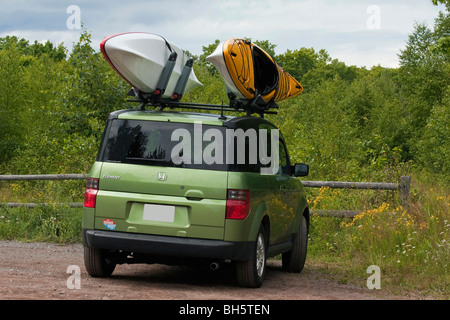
(251, 272)
(266, 224)
(259, 218)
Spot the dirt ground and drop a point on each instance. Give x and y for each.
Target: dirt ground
(30, 271)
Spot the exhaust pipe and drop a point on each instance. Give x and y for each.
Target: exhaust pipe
(214, 266)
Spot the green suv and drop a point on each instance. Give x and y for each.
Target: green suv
(181, 187)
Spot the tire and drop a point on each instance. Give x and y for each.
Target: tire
(251, 273)
(294, 260)
(98, 262)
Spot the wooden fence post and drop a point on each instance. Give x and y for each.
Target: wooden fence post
(405, 185)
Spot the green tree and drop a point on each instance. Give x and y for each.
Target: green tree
(442, 32)
(266, 46)
(320, 130)
(446, 2)
(299, 62)
(68, 103)
(380, 113)
(92, 89)
(334, 69)
(424, 75)
(206, 51)
(433, 149)
(36, 49)
(13, 101)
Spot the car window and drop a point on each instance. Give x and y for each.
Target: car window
(152, 143)
(284, 163)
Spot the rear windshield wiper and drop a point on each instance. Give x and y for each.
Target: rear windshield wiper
(163, 161)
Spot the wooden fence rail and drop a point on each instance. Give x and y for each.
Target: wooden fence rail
(403, 187)
(43, 177)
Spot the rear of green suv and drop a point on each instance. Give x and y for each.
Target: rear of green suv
(178, 188)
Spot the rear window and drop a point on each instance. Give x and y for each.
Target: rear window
(153, 143)
(171, 144)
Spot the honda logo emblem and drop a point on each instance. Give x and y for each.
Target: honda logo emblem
(162, 176)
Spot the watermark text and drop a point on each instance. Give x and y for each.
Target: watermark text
(241, 147)
(374, 20)
(73, 22)
(374, 281)
(74, 280)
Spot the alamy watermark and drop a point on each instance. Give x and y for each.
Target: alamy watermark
(191, 150)
(74, 280)
(374, 20)
(374, 280)
(73, 22)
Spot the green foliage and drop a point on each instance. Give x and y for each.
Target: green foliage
(60, 106)
(299, 62)
(13, 90)
(36, 49)
(433, 149)
(207, 50)
(410, 246)
(266, 46)
(58, 224)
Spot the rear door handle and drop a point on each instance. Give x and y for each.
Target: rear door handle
(194, 195)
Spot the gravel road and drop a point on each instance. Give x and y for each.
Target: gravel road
(40, 271)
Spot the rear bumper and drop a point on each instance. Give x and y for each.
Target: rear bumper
(167, 246)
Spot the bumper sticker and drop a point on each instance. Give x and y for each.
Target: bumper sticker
(111, 225)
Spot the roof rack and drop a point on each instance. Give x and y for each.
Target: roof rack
(155, 99)
(249, 107)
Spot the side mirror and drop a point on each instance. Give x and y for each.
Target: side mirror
(301, 170)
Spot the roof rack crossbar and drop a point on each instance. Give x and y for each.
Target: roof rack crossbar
(172, 104)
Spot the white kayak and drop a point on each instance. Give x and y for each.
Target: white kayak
(140, 59)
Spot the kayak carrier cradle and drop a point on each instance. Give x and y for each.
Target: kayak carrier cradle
(247, 106)
(156, 100)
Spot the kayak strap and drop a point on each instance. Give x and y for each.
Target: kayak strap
(165, 74)
(182, 81)
(146, 98)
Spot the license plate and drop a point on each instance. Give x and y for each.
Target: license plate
(159, 213)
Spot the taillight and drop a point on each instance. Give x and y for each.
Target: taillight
(90, 195)
(238, 204)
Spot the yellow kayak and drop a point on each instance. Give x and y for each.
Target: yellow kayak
(248, 71)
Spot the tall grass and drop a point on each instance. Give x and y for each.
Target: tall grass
(52, 223)
(410, 245)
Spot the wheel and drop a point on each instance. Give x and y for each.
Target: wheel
(250, 273)
(98, 262)
(294, 260)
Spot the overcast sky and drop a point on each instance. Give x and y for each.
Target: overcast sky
(358, 32)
